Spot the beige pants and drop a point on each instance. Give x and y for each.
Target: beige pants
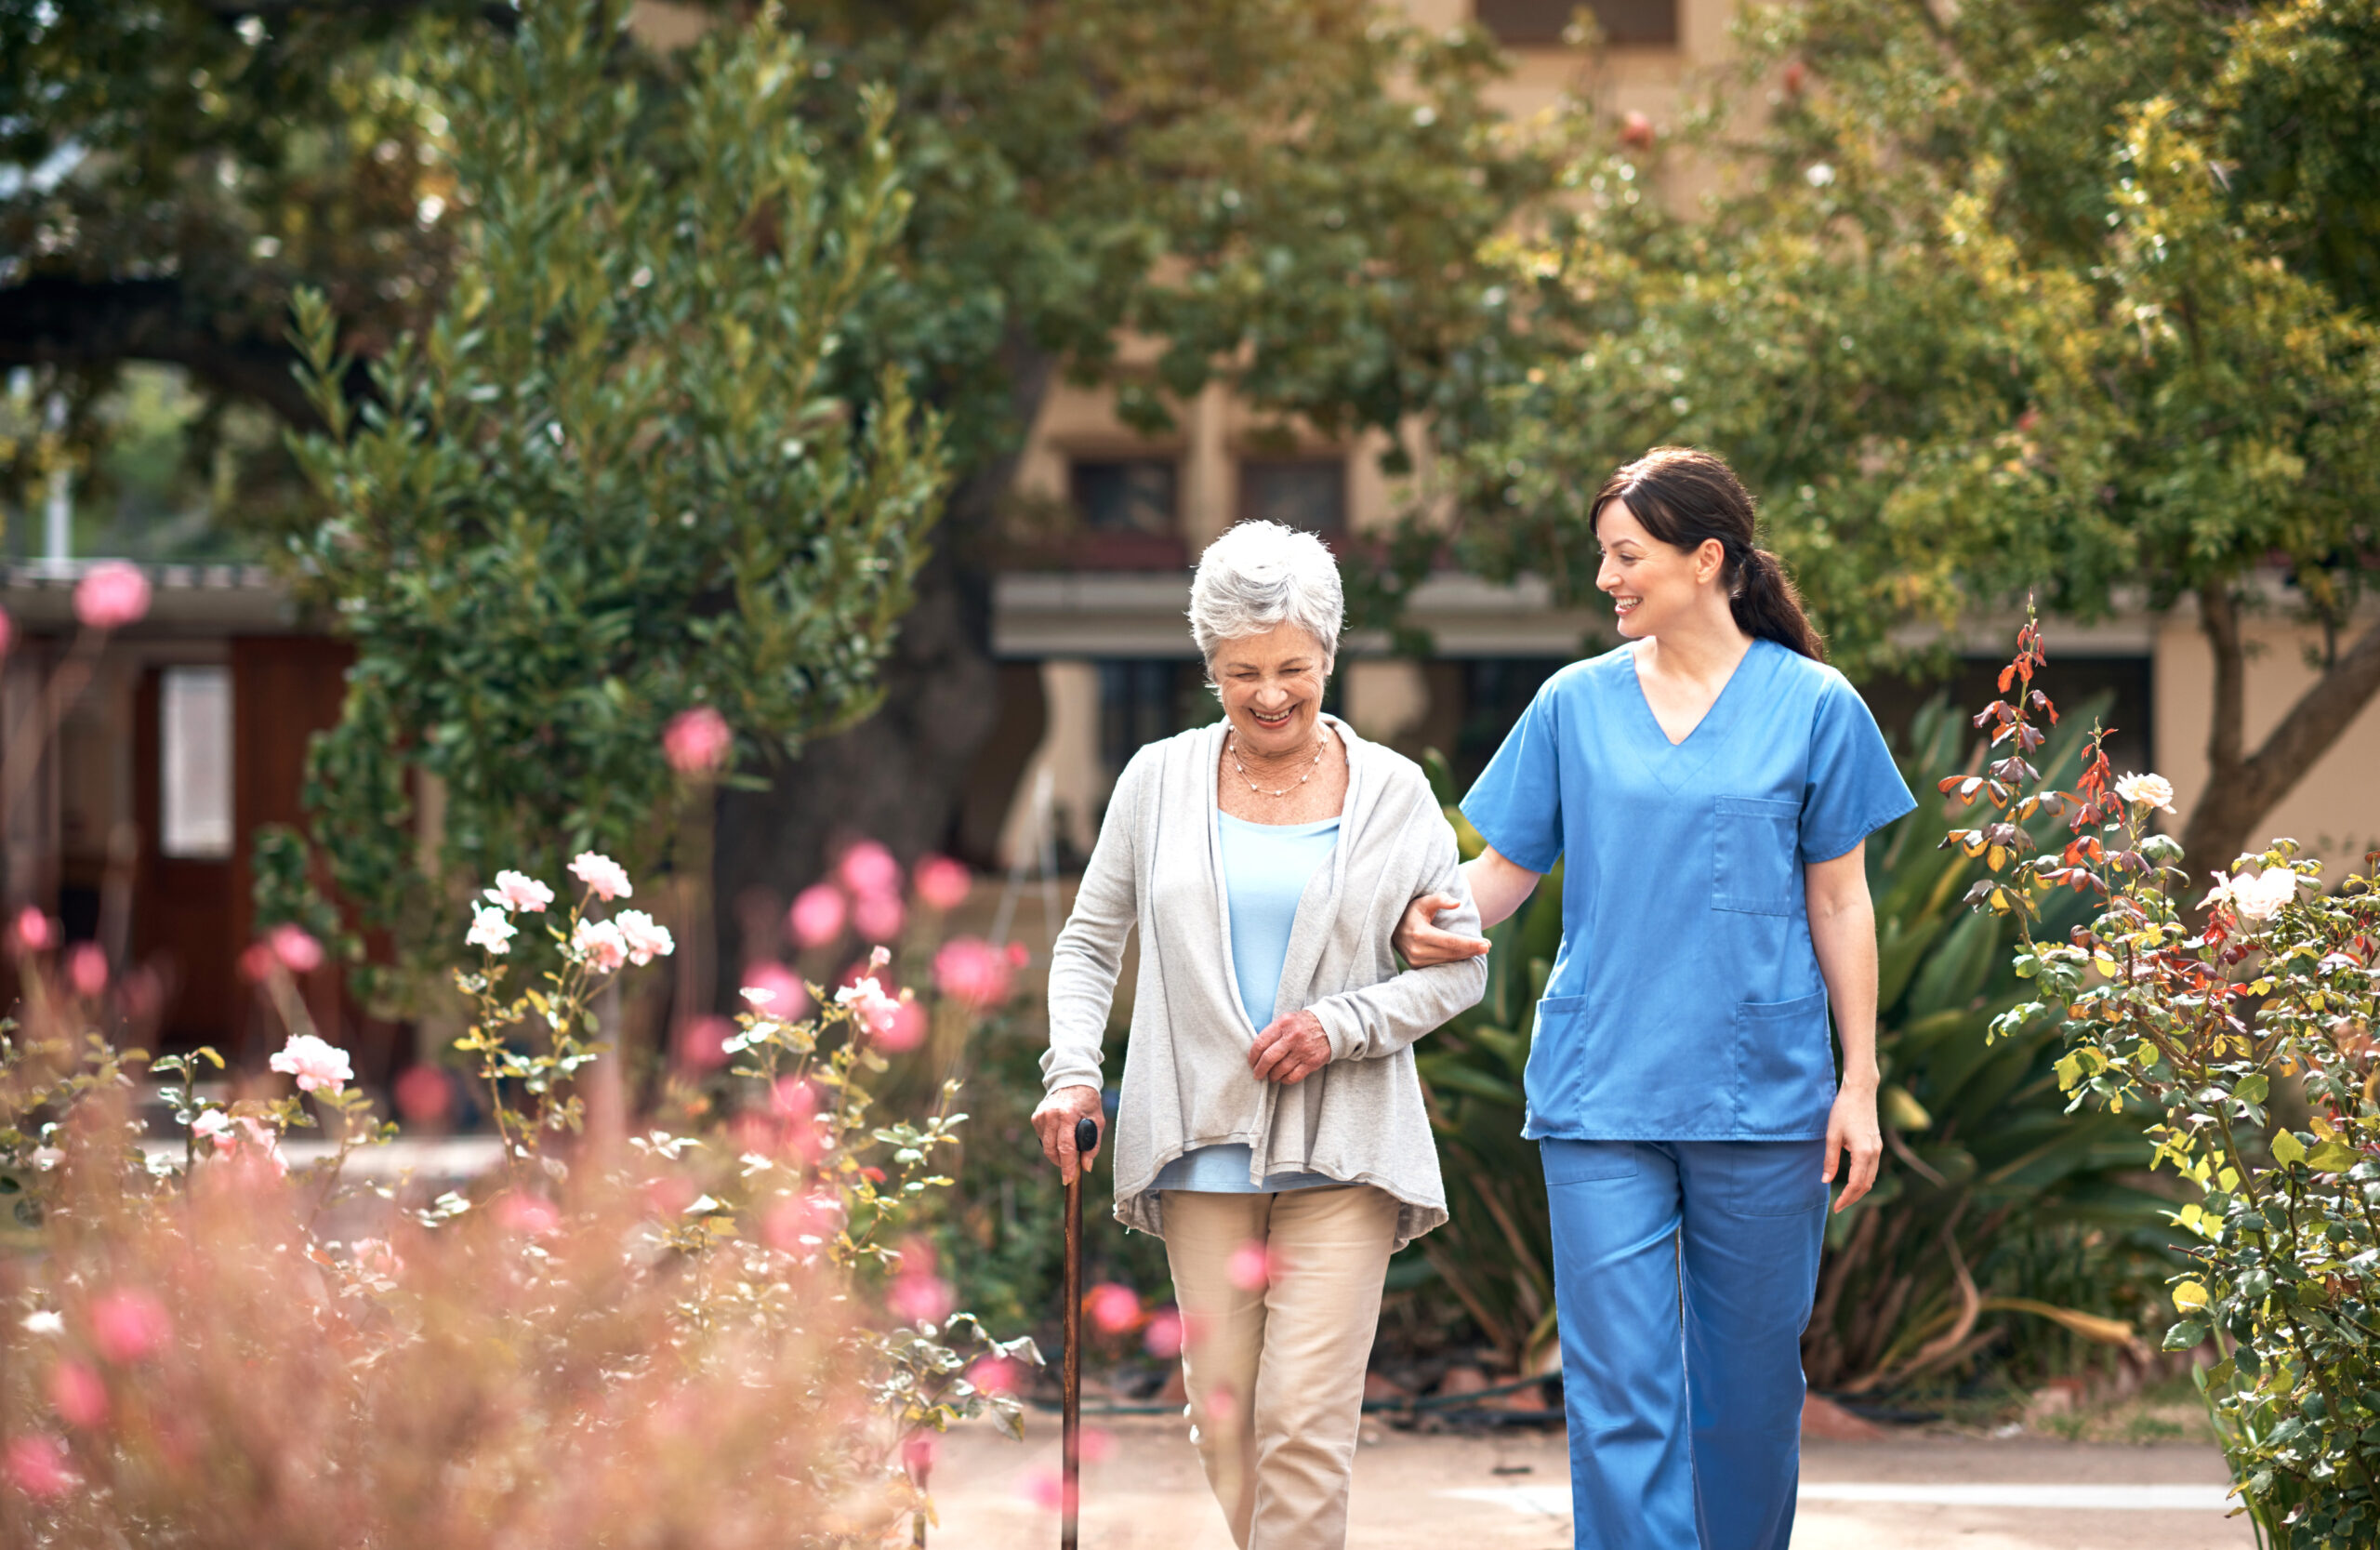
(1274, 1373)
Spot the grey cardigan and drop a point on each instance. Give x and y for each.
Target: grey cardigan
(1158, 865)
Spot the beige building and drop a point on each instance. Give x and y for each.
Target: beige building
(1107, 637)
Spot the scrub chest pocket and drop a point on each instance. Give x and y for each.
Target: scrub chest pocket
(1753, 840)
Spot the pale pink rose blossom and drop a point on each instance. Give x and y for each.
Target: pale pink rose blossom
(877, 1012)
(878, 957)
(215, 1125)
(817, 915)
(600, 945)
(941, 882)
(867, 868)
(646, 939)
(86, 968)
(129, 1325)
(319, 1065)
(607, 877)
(491, 928)
(376, 1257)
(36, 1465)
(110, 595)
(518, 891)
(971, 970)
(879, 917)
(297, 952)
(696, 741)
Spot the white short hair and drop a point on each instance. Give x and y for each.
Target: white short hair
(1259, 575)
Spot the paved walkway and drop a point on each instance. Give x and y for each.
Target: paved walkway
(1511, 1491)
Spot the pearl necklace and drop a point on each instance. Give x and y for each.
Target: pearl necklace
(1231, 747)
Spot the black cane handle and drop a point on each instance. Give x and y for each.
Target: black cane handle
(1086, 1136)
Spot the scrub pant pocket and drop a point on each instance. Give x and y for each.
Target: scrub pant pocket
(1683, 1285)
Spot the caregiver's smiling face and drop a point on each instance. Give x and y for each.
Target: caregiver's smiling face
(1652, 585)
(1271, 688)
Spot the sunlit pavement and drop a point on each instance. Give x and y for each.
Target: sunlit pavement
(1511, 1491)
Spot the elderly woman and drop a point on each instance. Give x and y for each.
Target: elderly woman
(1272, 1128)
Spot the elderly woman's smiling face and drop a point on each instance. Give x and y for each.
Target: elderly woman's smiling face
(1271, 688)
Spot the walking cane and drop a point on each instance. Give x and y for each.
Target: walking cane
(1070, 1417)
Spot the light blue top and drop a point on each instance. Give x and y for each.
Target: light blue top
(1266, 867)
(1685, 1003)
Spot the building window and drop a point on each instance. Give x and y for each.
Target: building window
(1141, 699)
(1309, 494)
(1540, 24)
(1127, 495)
(195, 741)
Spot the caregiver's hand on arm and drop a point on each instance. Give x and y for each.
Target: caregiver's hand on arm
(1290, 1049)
(1843, 929)
(1055, 1122)
(1497, 886)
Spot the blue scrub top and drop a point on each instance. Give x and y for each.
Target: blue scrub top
(1686, 1003)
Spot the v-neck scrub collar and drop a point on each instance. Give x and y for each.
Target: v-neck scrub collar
(1685, 1003)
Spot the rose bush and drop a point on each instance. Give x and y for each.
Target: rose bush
(2219, 1013)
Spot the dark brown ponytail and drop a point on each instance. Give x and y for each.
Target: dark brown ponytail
(1684, 497)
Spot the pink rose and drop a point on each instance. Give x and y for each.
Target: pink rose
(599, 945)
(129, 1325)
(919, 1299)
(817, 915)
(110, 595)
(646, 938)
(696, 741)
(318, 1065)
(941, 882)
(531, 1215)
(996, 1374)
(77, 1394)
(607, 877)
(35, 931)
(1163, 1337)
(376, 1257)
(299, 953)
(879, 917)
(1113, 1307)
(86, 968)
(1250, 1269)
(908, 1030)
(36, 1465)
(971, 970)
(867, 868)
(876, 1011)
(518, 891)
(702, 1043)
(423, 1095)
(780, 990)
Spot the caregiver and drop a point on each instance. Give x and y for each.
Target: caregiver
(1708, 786)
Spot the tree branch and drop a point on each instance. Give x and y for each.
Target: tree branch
(60, 321)
(2218, 616)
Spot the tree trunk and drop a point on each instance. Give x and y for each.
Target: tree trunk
(2242, 787)
(899, 777)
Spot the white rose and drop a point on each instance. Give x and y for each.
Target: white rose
(2150, 790)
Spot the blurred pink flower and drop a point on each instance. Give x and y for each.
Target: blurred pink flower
(799, 1223)
(867, 868)
(532, 1215)
(110, 595)
(607, 877)
(519, 891)
(702, 1043)
(423, 1095)
(908, 1030)
(35, 931)
(1096, 1446)
(128, 1324)
(879, 917)
(318, 1065)
(1046, 1488)
(969, 969)
(781, 991)
(817, 915)
(1250, 1267)
(1163, 1338)
(36, 1465)
(696, 741)
(996, 1374)
(7, 632)
(794, 1099)
(78, 1396)
(646, 938)
(876, 1011)
(491, 928)
(1113, 1307)
(299, 953)
(918, 1451)
(1019, 955)
(919, 1299)
(942, 883)
(599, 945)
(86, 968)
(377, 1257)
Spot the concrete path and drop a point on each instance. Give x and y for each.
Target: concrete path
(1144, 1492)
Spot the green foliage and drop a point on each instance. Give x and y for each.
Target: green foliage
(2007, 296)
(611, 480)
(2196, 1024)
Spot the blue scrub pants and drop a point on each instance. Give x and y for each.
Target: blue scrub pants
(1682, 1274)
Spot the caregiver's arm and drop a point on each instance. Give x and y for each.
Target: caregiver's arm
(1843, 929)
(1498, 887)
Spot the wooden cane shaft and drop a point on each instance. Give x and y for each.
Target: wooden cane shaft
(1070, 1424)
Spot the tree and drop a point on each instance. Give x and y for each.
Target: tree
(2010, 297)
(608, 483)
